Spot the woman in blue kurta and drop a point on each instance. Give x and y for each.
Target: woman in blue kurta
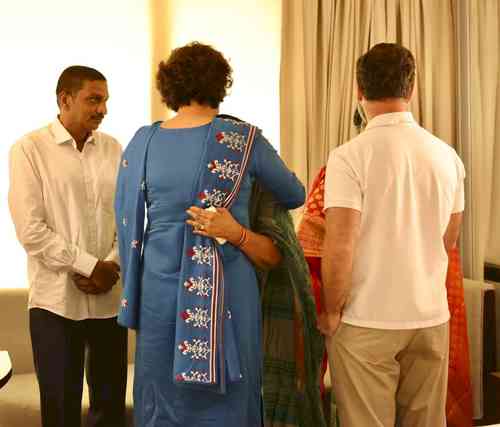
(194, 302)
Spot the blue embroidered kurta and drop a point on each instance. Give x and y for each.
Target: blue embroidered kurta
(160, 168)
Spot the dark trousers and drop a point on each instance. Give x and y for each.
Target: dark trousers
(59, 347)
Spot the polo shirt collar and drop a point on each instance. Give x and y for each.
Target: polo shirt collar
(391, 119)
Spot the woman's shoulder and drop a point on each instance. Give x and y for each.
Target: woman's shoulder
(228, 120)
(141, 135)
(227, 127)
(233, 124)
(146, 130)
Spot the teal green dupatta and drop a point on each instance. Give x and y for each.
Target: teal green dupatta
(293, 347)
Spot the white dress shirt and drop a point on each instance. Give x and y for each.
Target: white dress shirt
(406, 183)
(61, 202)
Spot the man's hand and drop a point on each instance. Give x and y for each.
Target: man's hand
(328, 323)
(103, 278)
(105, 275)
(85, 284)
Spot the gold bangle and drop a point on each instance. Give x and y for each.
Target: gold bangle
(243, 238)
(240, 239)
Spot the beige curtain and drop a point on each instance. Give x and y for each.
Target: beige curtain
(483, 160)
(485, 25)
(321, 42)
(317, 92)
(479, 131)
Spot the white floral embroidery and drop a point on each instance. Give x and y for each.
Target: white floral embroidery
(201, 254)
(213, 198)
(197, 349)
(234, 140)
(234, 122)
(202, 286)
(225, 169)
(193, 376)
(199, 318)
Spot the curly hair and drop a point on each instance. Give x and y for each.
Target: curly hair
(387, 70)
(195, 72)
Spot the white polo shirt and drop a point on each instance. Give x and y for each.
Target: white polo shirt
(406, 183)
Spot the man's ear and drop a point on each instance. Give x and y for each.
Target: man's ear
(410, 93)
(63, 100)
(359, 94)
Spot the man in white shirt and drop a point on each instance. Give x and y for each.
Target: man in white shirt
(394, 197)
(62, 182)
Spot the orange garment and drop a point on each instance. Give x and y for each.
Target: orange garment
(459, 400)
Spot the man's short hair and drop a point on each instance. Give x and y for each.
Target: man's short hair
(72, 78)
(387, 70)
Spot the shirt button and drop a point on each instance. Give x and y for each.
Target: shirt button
(125, 163)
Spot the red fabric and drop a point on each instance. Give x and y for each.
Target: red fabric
(459, 399)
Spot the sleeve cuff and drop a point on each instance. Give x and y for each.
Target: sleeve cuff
(84, 263)
(343, 204)
(113, 256)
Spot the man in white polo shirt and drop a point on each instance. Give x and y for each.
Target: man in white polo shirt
(394, 198)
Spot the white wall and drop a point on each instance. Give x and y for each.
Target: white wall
(38, 39)
(248, 33)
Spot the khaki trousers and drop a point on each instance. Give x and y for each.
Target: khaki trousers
(387, 378)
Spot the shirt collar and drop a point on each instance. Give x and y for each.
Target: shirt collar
(61, 134)
(391, 119)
